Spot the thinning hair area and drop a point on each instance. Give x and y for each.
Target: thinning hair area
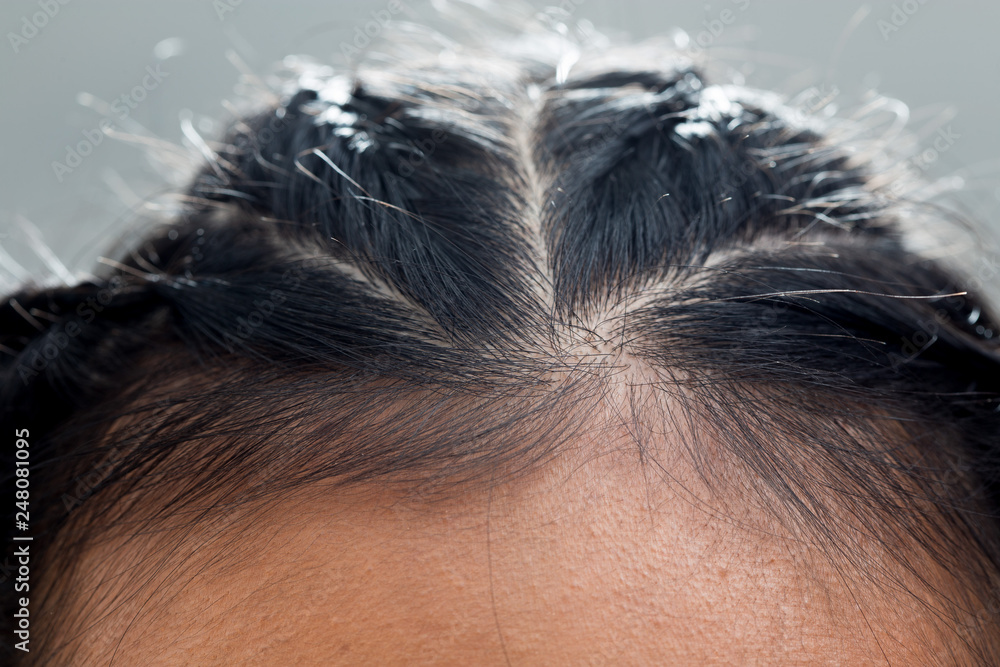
(679, 328)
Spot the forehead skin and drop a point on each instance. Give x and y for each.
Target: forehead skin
(588, 560)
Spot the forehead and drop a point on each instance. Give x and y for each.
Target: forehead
(590, 558)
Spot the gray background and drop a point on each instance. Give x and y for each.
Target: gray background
(943, 62)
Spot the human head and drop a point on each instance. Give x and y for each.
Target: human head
(504, 320)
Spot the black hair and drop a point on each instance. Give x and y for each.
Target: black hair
(437, 274)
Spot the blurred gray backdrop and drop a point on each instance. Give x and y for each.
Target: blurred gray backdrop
(156, 63)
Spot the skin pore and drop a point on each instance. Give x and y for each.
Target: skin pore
(593, 557)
